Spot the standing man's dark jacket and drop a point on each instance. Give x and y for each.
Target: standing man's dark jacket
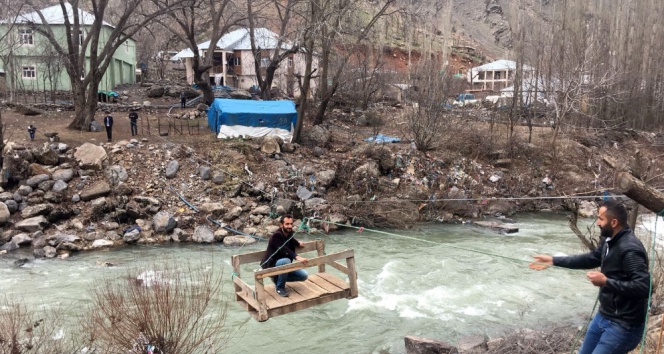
(108, 121)
(275, 245)
(624, 297)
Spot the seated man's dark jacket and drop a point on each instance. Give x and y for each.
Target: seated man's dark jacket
(275, 245)
(624, 297)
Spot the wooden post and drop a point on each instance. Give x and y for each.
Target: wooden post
(640, 192)
(320, 248)
(352, 277)
(235, 261)
(260, 294)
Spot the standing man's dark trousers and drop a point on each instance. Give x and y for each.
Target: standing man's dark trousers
(183, 102)
(109, 132)
(134, 127)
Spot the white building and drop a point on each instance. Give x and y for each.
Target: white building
(233, 61)
(496, 75)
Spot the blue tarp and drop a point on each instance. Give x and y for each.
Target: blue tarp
(380, 138)
(264, 114)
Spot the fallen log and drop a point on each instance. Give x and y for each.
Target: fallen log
(637, 190)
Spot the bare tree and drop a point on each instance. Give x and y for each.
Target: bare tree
(89, 48)
(214, 17)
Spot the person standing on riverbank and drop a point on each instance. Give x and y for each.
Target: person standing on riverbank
(31, 131)
(623, 281)
(133, 117)
(280, 251)
(183, 99)
(108, 124)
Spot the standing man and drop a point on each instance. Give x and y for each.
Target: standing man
(31, 130)
(183, 99)
(280, 251)
(623, 282)
(133, 117)
(108, 124)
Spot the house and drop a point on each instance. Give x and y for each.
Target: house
(32, 64)
(496, 75)
(233, 61)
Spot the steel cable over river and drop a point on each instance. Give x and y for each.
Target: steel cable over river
(406, 287)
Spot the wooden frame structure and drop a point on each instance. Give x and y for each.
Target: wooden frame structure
(262, 301)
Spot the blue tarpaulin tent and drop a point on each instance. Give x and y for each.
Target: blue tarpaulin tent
(236, 118)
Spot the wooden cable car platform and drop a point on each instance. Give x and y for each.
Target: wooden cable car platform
(263, 302)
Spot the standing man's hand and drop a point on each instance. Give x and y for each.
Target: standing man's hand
(300, 244)
(541, 262)
(301, 259)
(597, 278)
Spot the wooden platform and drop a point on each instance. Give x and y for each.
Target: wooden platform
(262, 302)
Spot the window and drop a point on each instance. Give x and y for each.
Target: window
(26, 37)
(80, 37)
(29, 72)
(265, 62)
(290, 62)
(234, 61)
(126, 44)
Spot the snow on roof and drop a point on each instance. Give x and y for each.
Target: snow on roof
(501, 64)
(55, 16)
(239, 40)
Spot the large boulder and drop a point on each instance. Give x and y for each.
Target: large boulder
(95, 126)
(46, 156)
(100, 189)
(270, 145)
(34, 210)
(90, 156)
(163, 222)
(420, 345)
(59, 186)
(36, 223)
(368, 170)
(156, 91)
(240, 94)
(34, 181)
(317, 136)
(101, 243)
(4, 213)
(27, 110)
(325, 178)
(203, 234)
(172, 168)
(116, 174)
(238, 241)
(131, 236)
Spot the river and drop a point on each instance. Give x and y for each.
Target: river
(407, 287)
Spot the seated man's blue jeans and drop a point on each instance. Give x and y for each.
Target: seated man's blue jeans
(296, 275)
(609, 337)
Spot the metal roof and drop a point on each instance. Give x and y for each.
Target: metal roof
(239, 40)
(55, 16)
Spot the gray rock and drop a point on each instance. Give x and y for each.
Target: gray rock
(587, 209)
(270, 145)
(205, 172)
(101, 244)
(369, 169)
(123, 189)
(4, 196)
(18, 198)
(46, 156)
(133, 141)
(50, 252)
(163, 222)
(116, 174)
(319, 151)
(325, 178)
(34, 210)
(112, 235)
(172, 168)
(9, 246)
(22, 239)
(145, 201)
(95, 126)
(59, 238)
(240, 94)
(46, 185)
(314, 203)
(420, 345)
(472, 344)
(24, 190)
(156, 91)
(33, 224)
(285, 204)
(317, 136)
(203, 234)
(288, 147)
(12, 206)
(132, 236)
(76, 198)
(90, 156)
(233, 241)
(220, 234)
(36, 180)
(68, 246)
(218, 178)
(65, 175)
(271, 229)
(261, 210)
(130, 145)
(5, 212)
(59, 186)
(98, 190)
(213, 208)
(233, 214)
(62, 148)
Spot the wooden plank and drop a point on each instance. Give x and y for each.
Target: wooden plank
(306, 304)
(340, 267)
(286, 268)
(308, 289)
(236, 271)
(319, 281)
(334, 280)
(352, 277)
(261, 298)
(320, 249)
(257, 256)
(247, 299)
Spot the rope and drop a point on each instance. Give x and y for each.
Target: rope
(584, 328)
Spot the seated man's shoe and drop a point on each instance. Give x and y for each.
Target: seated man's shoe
(282, 292)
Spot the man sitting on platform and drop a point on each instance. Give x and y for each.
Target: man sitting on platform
(280, 251)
